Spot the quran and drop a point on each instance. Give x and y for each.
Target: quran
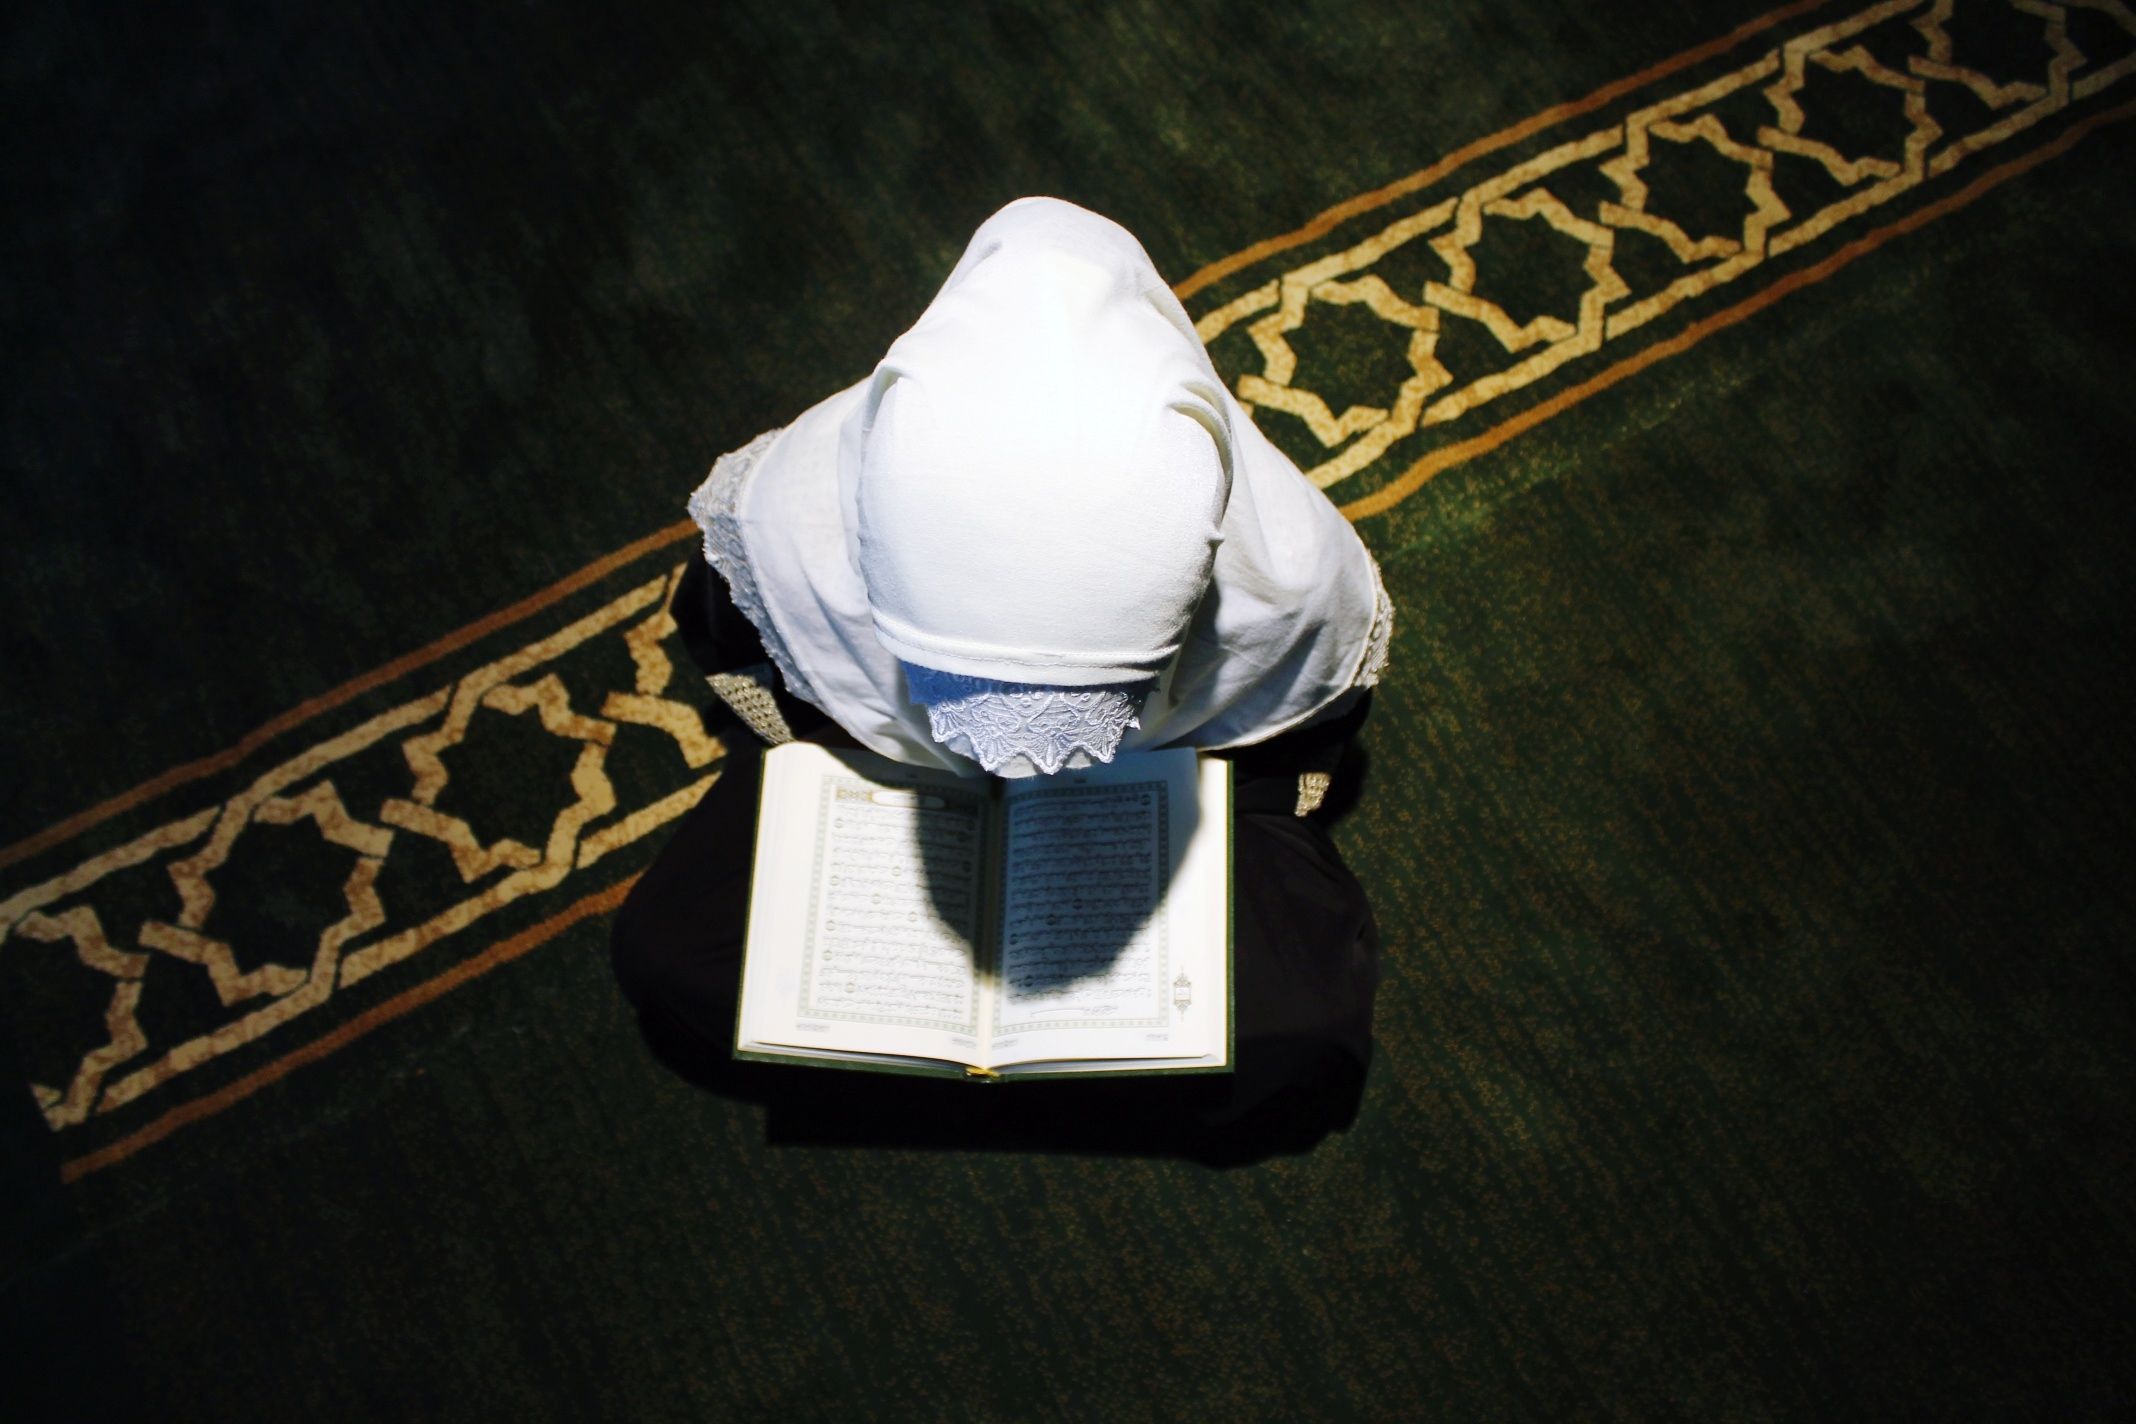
(906, 919)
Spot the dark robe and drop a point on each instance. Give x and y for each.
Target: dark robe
(1305, 961)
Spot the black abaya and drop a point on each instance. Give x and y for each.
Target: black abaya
(1305, 951)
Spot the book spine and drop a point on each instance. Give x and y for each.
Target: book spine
(993, 908)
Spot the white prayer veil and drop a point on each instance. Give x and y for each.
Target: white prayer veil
(1043, 473)
(1042, 487)
(1045, 490)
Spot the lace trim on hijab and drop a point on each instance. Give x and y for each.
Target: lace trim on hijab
(1380, 638)
(713, 506)
(995, 723)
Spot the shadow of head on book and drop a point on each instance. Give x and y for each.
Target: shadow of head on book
(1080, 866)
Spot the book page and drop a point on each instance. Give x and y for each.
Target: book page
(866, 919)
(1107, 922)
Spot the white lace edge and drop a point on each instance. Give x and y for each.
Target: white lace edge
(1379, 639)
(713, 506)
(1005, 725)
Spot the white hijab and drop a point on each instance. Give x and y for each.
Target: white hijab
(1045, 485)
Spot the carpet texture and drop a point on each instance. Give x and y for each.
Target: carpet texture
(1735, 399)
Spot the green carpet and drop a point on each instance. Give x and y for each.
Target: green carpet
(1734, 398)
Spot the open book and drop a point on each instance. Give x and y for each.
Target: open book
(911, 920)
